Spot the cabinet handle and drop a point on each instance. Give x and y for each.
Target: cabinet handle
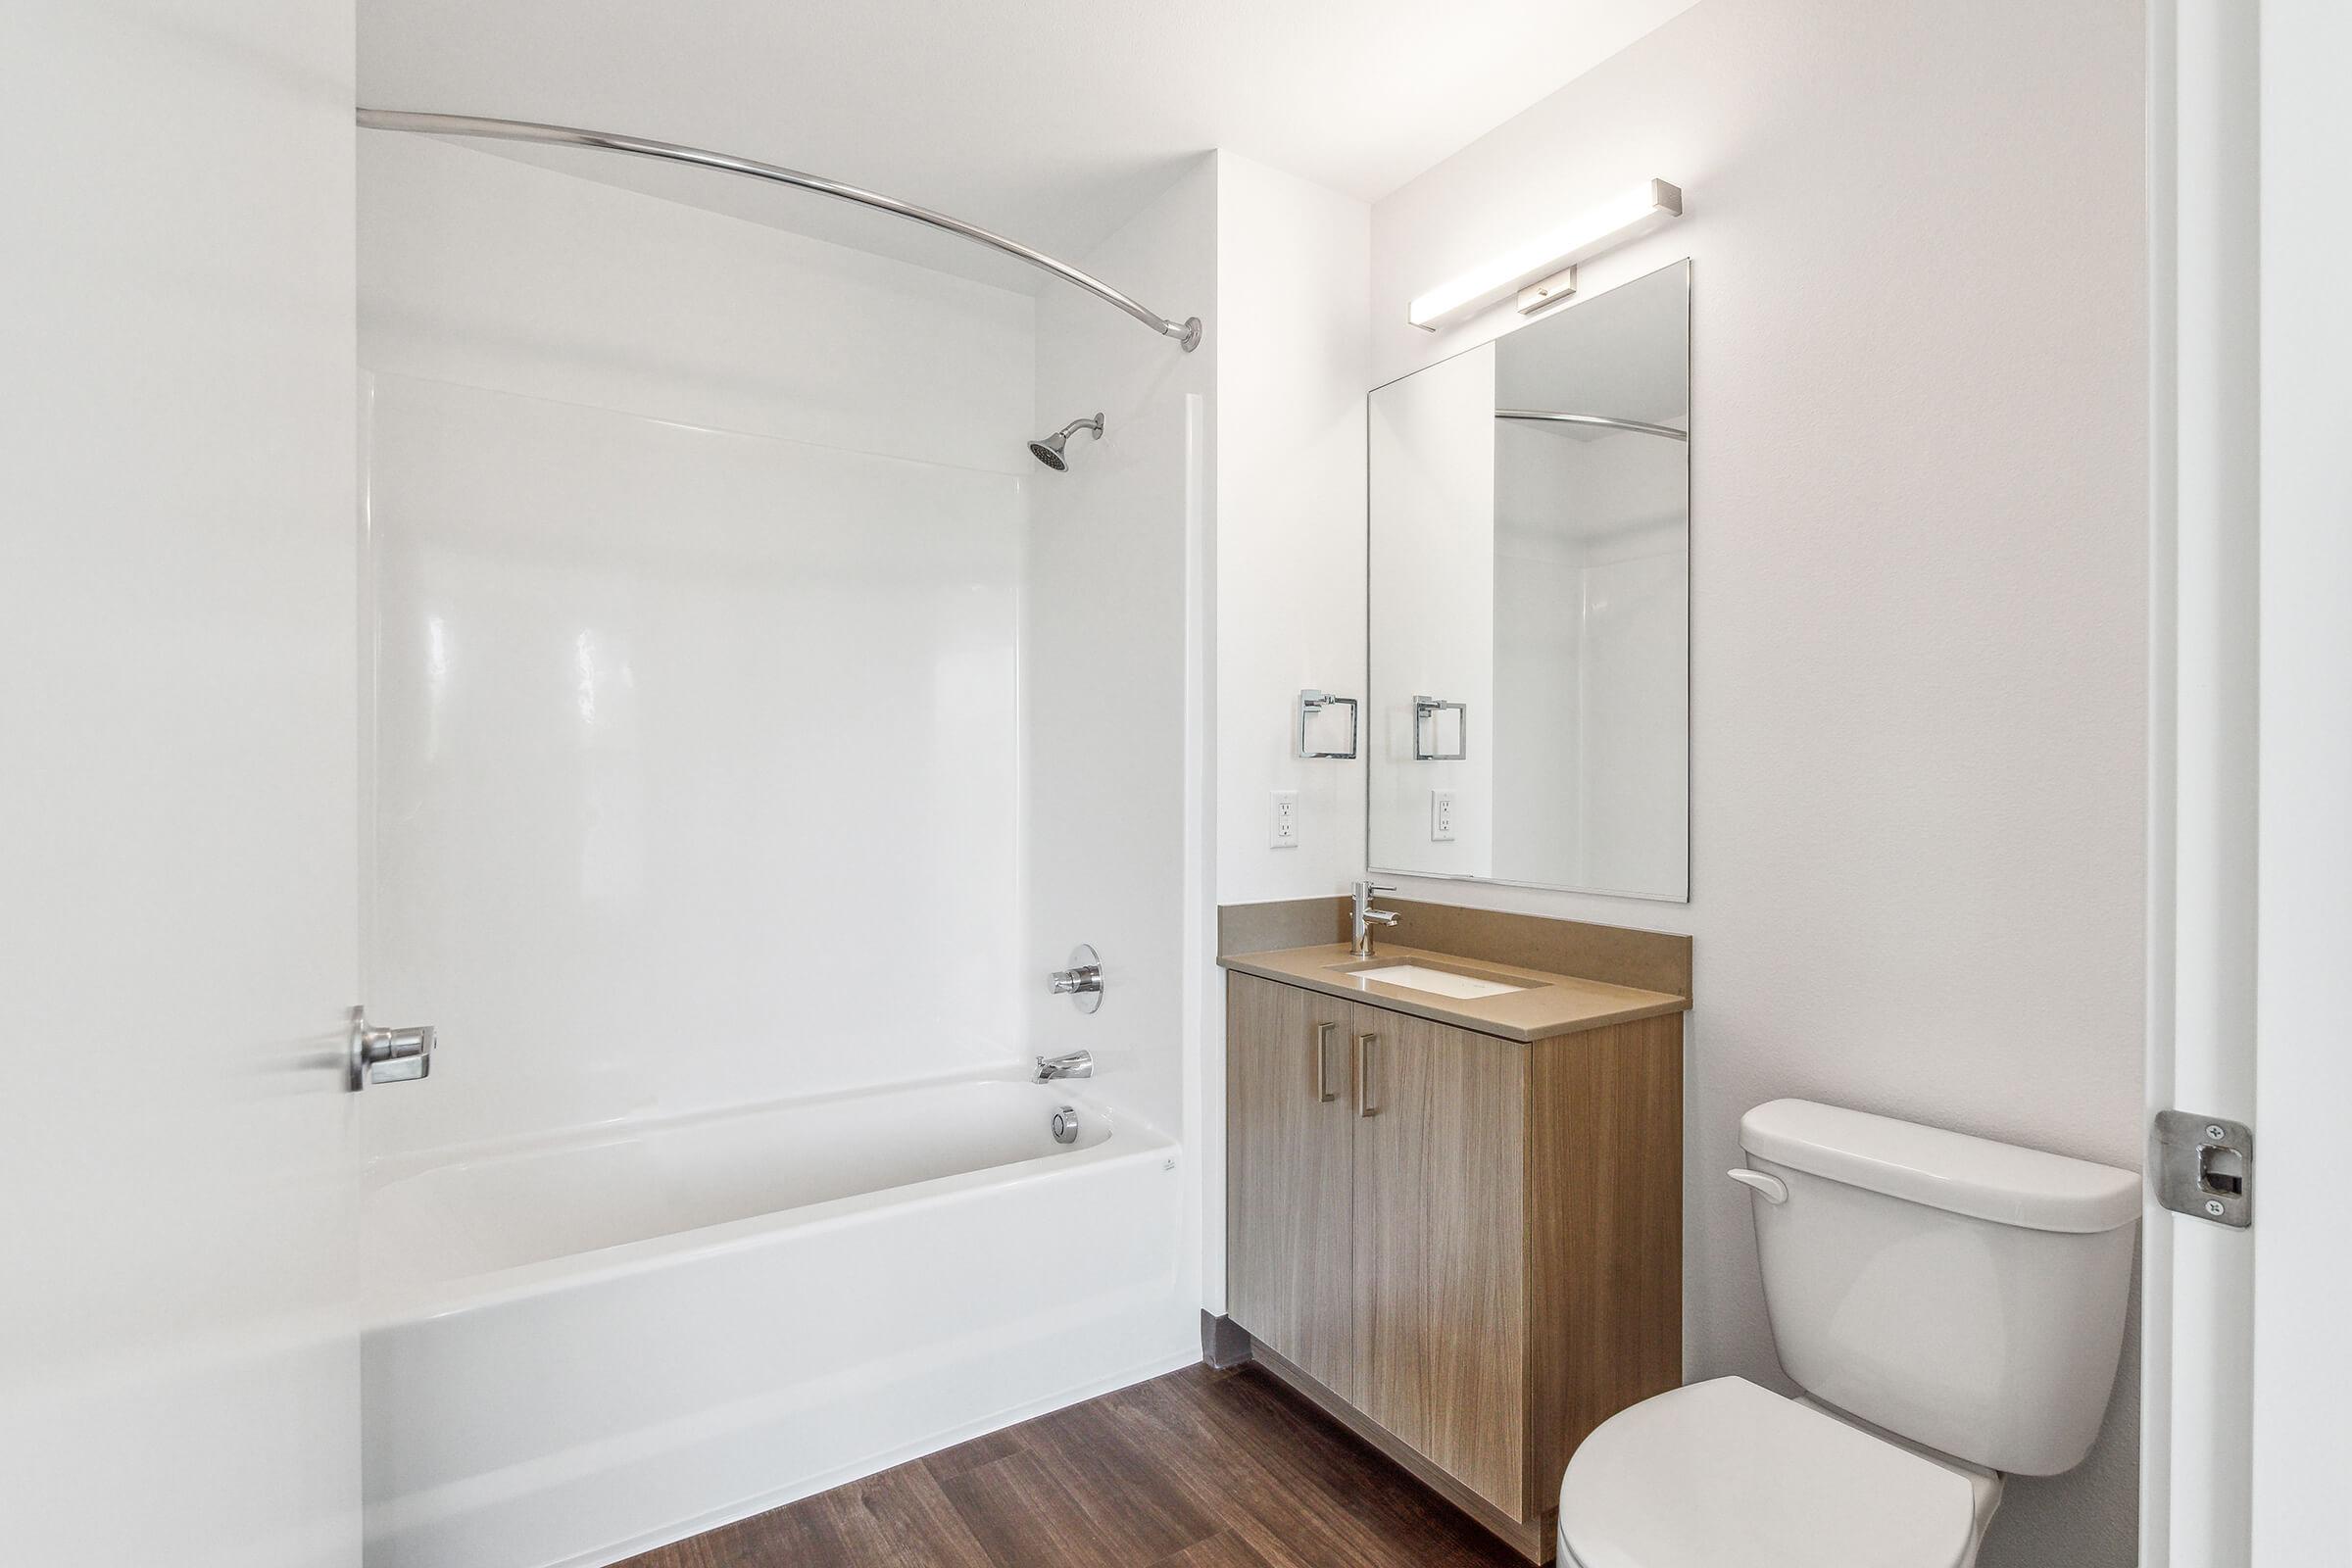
(1364, 1105)
(1322, 1075)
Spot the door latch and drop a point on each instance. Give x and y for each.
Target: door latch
(2204, 1167)
(388, 1056)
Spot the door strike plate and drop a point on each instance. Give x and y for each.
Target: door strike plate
(2204, 1167)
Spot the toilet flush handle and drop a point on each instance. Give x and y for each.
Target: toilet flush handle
(1775, 1190)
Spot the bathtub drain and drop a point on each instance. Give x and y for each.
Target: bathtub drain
(1065, 1125)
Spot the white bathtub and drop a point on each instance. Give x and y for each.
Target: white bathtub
(583, 1347)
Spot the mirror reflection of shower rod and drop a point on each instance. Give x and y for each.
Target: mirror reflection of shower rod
(1602, 420)
(1186, 333)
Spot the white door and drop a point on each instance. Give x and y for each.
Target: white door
(2302, 1426)
(2248, 1374)
(177, 781)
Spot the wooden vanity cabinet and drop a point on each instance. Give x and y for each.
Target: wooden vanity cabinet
(1289, 1265)
(1440, 1245)
(1467, 1247)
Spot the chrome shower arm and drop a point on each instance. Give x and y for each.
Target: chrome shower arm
(1186, 333)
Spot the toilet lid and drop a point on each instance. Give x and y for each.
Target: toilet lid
(1729, 1473)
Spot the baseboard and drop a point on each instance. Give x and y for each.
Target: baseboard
(1224, 1344)
(875, 1464)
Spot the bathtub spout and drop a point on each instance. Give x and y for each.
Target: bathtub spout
(1076, 1064)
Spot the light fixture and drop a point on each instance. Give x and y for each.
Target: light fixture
(1549, 261)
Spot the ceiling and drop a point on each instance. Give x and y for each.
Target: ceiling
(1050, 121)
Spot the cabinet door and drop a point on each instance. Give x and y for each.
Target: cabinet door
(1439, 1225)
(1287, 1129)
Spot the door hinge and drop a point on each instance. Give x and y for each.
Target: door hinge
(2204, 1167)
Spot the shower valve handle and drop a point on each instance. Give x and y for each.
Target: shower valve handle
(1082, 981)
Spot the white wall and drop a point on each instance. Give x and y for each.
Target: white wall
(697, 554)
(1293, 278)
(1431, 549)
(177, 1380)
(1113, 705)
(1918, 596)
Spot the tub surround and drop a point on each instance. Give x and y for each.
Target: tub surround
(609, 555)
(605, 539)
(1549, 1004)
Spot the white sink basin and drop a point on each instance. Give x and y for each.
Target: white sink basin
(1441, 982)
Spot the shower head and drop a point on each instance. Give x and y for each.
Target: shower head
(1049, 451)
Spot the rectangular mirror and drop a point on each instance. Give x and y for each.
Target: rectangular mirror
(1530, 537)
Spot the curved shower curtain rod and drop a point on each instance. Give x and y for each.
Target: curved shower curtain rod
(1186, 333)
(1602, 420)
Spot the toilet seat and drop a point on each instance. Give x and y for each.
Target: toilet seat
(1726, 1472)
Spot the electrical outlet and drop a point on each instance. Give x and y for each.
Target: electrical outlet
(1440, 817)
(1284, 823)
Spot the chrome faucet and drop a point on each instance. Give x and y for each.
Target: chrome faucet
(1366, 917)
(1074, 1065)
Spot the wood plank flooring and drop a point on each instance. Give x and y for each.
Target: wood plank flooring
(1197, 1469)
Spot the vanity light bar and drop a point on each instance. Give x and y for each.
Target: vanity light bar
(1649, 206)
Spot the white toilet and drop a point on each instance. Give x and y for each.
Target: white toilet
(1957, 1305)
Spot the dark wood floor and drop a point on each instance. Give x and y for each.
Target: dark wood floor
(1197, 1469)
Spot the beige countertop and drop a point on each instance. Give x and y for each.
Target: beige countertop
(1551, 1005)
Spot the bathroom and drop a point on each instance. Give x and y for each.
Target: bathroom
(1173, 785)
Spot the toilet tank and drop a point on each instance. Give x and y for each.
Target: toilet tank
(1964, 1294)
